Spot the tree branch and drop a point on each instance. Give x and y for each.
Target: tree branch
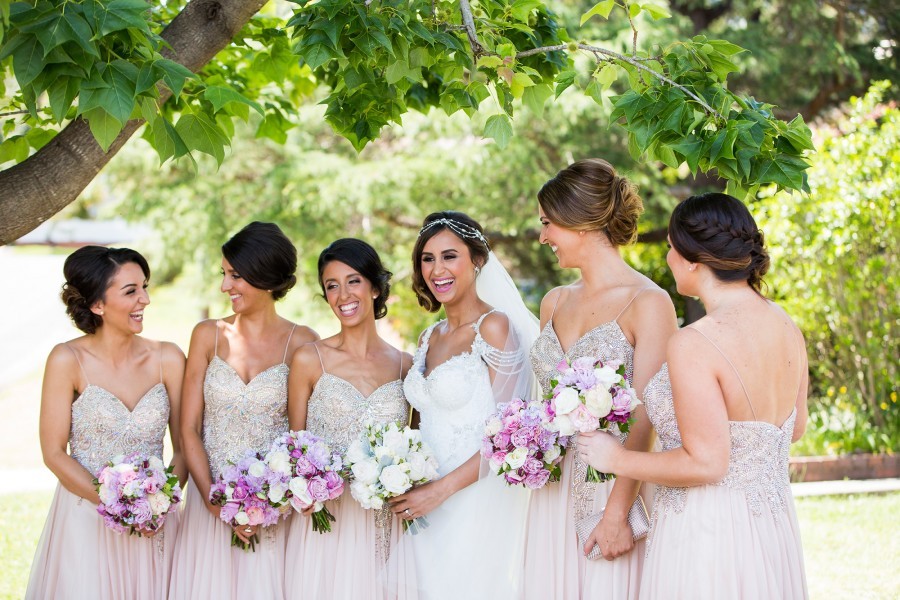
(631, 61)
(634, 31)
(469, 23)
(37, 188)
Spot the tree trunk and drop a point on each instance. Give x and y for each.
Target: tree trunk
(46, 182)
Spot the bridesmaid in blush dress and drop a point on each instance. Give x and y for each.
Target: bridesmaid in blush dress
(236, 400)
(336, 387)
(108, 393)
(588, 212)
(727, 405)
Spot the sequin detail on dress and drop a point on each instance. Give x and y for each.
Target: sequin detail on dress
(338, 412)
(239, 416)
(103, 427)
(757, 463)
(606, 342)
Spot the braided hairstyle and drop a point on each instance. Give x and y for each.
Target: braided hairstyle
(88, 272)
(589, 195)
(718, 231)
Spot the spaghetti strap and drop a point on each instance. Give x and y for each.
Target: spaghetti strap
(160, 362)
(400, 375)
(78, 360)
(555, 304)
(733, 368)
(287, 345)
(316, 346)
(216, 346)
(477, 324)
(633, 298)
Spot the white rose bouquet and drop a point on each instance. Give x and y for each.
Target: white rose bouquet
(387, 461)
(591, 395)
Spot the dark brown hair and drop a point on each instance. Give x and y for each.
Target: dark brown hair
(589, 195)
(718, 231)
(472, 236)
(362, 258)
(264, 257)
(88, 272)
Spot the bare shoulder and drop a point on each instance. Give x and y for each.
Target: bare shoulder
(205, 331)
(494, 329)
(406, 361)
(306, 357)
(304, 335)
(62, 360)
(550, 300)
(171, 353)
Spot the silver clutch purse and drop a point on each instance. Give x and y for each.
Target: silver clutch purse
(638, 520)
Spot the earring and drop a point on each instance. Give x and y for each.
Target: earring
(477, 270)
(580, 233)
(101, 313)
(692, 268)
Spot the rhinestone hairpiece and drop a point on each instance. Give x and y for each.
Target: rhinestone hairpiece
(460, 229)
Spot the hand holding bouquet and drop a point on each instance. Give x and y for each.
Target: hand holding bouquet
(521, 445)
(136, 493)
(388, 461)
(591, 395)
(312, 474)
(243, 491)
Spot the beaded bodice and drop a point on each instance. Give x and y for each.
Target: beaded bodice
(606, 342)
(239, 416)
(454, 400)
(103, 427)
(758, 461)
(338, 412)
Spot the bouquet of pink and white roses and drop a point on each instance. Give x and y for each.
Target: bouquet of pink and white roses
(521, 445)
(311, 474)
(136, 493)
(591, 395)
(387, 461)
(243, 490)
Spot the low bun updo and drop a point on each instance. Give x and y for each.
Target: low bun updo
(264, 257)
(88, 272)
(362, 258)
(718, 231)
(589, 195)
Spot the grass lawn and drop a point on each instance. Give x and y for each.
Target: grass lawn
(850, 544)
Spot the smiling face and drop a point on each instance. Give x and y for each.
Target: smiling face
(244, 297)
(447, 267)
(122, 306)
(564, 242)
(350, 295)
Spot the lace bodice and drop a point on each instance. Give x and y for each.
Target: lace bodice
(239, 416)
(758, 462)
(103, 427)
(454, 400)
(338, 412)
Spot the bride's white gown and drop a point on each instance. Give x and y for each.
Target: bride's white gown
(473, 546)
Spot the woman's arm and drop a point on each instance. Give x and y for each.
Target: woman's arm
(651, 322)
(305, 372)
(802, 408)
(702, 421)
(192, 404)
(173, 378)
(61, 377)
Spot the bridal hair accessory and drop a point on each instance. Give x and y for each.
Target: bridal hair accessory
(460, 229)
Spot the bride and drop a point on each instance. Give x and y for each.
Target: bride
(464, 365)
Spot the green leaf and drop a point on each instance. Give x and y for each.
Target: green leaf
(38, 137)
(104, 126)
(14, 149)
(521, 9)
(123, 14)
(536, 96)
(200, 133)
(174, 75)
(317, 55)
(657, 12)
(274, 127)
(519, 82)
(489, 61)
(60, 27)
(398, 70)
(634, 10)
(690, 148)
(607, 75)
(595, 91)
(564, 80)
(220, 95)
(499, 128)
(28, 61)
(119, 97)
(61, 94)
(601, 9)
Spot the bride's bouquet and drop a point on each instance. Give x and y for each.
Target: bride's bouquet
(243, 490)
(521, 445)
(136, 493)
(591, 395)
(387, 461)
(311, 474)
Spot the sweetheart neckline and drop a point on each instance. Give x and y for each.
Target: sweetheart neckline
(238, 375)
(116, 398)
(356, 389)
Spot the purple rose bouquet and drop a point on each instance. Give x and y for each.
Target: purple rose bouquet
(521, 445)
(136, 493)
(311, 474)
(591, 395)
(243, 490)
